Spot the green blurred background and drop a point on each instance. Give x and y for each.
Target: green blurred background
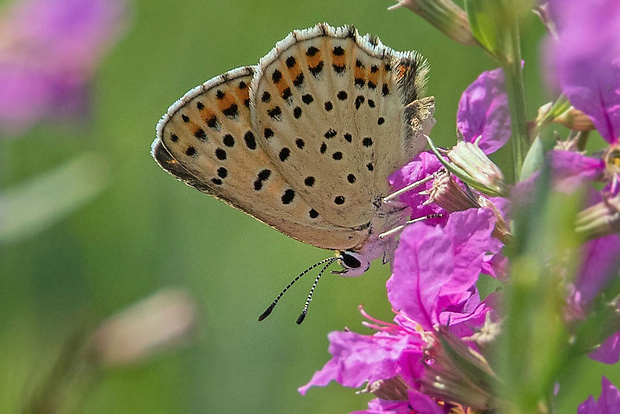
(147, 231)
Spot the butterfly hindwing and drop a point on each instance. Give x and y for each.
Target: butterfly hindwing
(206, 139)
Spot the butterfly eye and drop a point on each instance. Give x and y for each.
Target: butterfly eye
(351, 260)
(353, 263)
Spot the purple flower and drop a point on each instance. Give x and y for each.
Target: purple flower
(50, 51)
(586, 59)
(433, 287)
(608, 402)
(598, 266)
(483, 115)
(434, 284)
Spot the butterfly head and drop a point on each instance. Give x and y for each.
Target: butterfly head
(356, 261)
(353, 264)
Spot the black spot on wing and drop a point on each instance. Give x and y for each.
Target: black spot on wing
(288, 196)
(228, 140)
(330, 134)
(250, 140)
(200, 134)
(284, 154)
(299, 80)
(315, 70)
(220, 154)
(311, 51)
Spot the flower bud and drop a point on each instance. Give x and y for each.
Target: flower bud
(601, 219)
(455, 372)
(575, 119)
(479, 169)
(449, 195)
(393, 389)
(501, 231)
(444, 15)
(542, 11)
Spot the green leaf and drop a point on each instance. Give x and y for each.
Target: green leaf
(534, 159)
(488, 25)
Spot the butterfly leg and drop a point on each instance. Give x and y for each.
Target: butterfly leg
(400, 228)
(410, 187)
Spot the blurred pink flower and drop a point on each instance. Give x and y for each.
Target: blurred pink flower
(608, 402)
(599, 264)
(573, 169)
(48, 52)
(585, 58)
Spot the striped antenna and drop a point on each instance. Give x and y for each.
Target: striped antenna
(302, 316)
(275, 302)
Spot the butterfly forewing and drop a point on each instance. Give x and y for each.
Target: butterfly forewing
(207, 140)
(330, 111)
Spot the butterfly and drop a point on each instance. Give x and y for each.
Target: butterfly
(305, 140)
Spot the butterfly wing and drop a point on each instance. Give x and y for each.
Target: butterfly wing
(331, 110)
(206, 139)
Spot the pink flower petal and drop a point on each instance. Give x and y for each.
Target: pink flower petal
(422, 166)
(379, 406)
(608, 402)
(435, 268)
(423, 404)
(483, 112)
(599, 262)
(609, 351)
(357, 359)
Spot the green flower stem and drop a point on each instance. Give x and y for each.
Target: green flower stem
(513, 70)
